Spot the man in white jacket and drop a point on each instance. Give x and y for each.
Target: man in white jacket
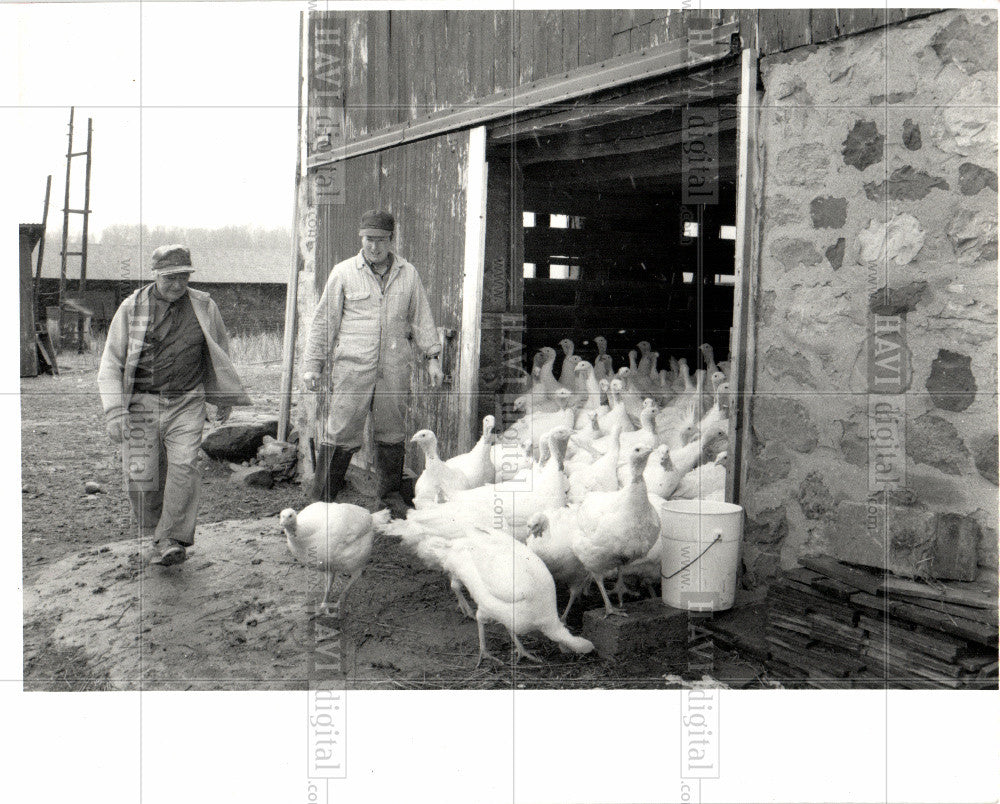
(371, 309)
(167, 353)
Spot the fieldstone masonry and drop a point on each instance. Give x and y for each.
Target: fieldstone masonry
(879, 199)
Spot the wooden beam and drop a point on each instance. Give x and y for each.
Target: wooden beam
(654, 140)
(472, 289)
(742, 346)
(675, 57)
(292, 288)
(675, 93)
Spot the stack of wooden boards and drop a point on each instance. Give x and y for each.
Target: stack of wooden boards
(831, 625)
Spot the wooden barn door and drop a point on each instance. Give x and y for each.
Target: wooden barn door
(435, 188)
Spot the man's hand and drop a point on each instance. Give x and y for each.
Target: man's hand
(222, 413)
(311, 380)
(434, 371)
(115, 428)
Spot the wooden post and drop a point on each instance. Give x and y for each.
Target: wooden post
(743, 341)
(292, 289)
(82, 326)
(65, 232)
(472, 290)
(41, 243)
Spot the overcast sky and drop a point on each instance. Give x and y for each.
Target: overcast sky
(193, 107)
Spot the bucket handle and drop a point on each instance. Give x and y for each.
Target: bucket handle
(718, 538)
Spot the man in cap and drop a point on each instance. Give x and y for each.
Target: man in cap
(167, 353)
(371, 309)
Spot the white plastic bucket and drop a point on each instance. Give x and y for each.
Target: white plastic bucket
(701, 553)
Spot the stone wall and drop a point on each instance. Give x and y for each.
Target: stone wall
(877, 305)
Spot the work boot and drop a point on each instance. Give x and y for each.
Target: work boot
(389, 460)
(331, 469)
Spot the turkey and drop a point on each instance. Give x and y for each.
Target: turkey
(509, 504)
(476, 464)
(588, 384)
(510, 458)
(709, 354)
(438, 480)
(550, 537)
(616, 527)
(333, 538)
(566, 372)
(718, 413)
(601, 475)
(511, 585)
(617, 412)
(549, 381)
(645, 355)
(533, 426)
(667, 468)
(707, 482)
(645, 436)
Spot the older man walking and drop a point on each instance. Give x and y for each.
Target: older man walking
(166, 355)
(372, 308)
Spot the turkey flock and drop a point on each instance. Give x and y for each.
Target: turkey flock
(571, 493)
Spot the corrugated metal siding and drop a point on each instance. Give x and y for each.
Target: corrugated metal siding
(424, 185)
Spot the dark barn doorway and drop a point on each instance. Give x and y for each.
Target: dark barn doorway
(613, 228)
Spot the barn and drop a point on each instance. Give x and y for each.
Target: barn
(247, 283)
(812, 192)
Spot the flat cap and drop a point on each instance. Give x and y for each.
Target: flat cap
(377, 223)
(175, 259)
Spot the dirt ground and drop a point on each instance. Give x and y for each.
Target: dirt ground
(236, 615)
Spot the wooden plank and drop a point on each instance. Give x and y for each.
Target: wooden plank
(940, 646)
(658, 34)
(857, 20)
(620, 43)
(487, 57)
(748, 23)
(622, 20)
(525, 48)
(394, 112)
(449, 78)
(503, 51)
(569, 22)
(472, 290)
(984, 616)
(603, 44)
(822, 24)
(742, 345)
(378, 79)
(587, 31)
(859, 579)
(948, 593)
(940, 621)
(552, 43)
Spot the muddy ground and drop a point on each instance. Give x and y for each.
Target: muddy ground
(237, 614)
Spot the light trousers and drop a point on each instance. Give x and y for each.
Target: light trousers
(160, 453)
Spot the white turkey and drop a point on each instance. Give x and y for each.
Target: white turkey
(645, 437)
(617, 527)
(566, 372)
(666, 468)
(617, 412)
(706, 482)
(535, 425)
(601, 475)
(506, 505)
(438, 480)
(476, 464)
(332, 538)
(550, 537)
(510, 585)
